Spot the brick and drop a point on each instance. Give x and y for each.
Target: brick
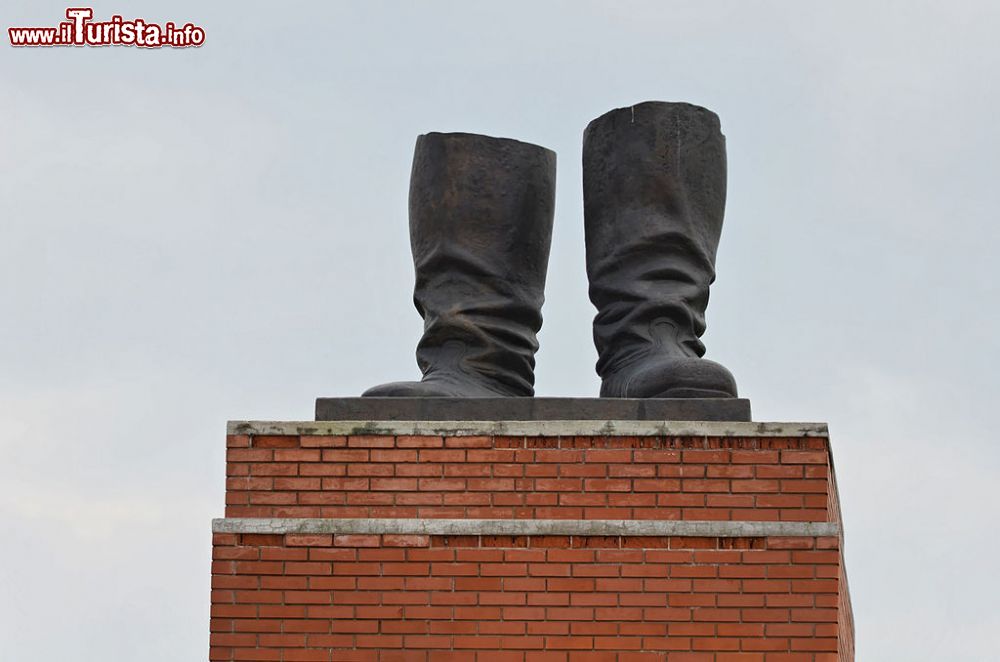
(656, 485)
(814, 615)
(381, 554)
(301, 540)
(298, 624)
(238, 441)
(769, 557)
(347, 540)
(754, 457)
(817, 557)
(419, 442)
(293, 484)
(390, 540)
(705, 456)
(249, 455)
(459, 498)
(707, 485)
(379, 641)
(817, 471)
(394, 484)
(237, 469)
(345, 455)
(778, 542)
(307, 597)
(608, 456)
(225, 539)
(345, 484)
(261, 539)
(727, 471)
(393, 455)
(297, 455)
(441, 455)
(560, 455)
(274, 441)
(541, 470)
(236, 553)
(656, 456)
(323, 441)
(441, 484)
(468, 442)
(827, 543)
(490, 484)
(370, 441)
(779, 501)
(757, 486)
(614, 557)
(369, 498)
(803, 457)
(607, 485)
(815, 586)
(780, 471)
(559, 484)
(322, 469)
(370, 469)
(271, 498)
(494, 456)
(274, 469)
(632, 470)
(467, 470)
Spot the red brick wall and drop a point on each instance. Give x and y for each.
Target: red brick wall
(722, 478)
(530, 598)
(524, 599)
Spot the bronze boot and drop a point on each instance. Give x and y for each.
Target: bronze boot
(654, 189)
(480, 228)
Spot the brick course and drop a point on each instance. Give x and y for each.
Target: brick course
(712, 478)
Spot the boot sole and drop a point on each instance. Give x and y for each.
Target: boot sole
(693, 393)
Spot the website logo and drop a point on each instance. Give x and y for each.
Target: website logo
(81, 30)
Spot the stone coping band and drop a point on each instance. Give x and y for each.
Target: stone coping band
(612, 428)
(524, 527)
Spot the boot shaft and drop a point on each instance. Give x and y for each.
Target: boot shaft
(476, 199)
(665, 162)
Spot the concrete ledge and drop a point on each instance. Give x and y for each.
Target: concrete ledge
(520, 527)
(532, 409)
(607, 428)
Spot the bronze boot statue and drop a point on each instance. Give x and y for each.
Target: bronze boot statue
(480, 227)
(654, 189)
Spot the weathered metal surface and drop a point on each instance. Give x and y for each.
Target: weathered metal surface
(480, 227)
(654, 189)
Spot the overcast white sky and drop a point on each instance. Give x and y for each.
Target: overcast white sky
(219, 233)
